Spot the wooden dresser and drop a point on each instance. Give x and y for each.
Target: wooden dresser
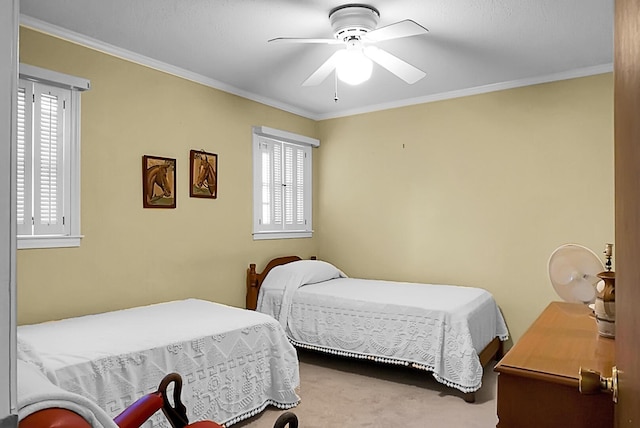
(538, 377)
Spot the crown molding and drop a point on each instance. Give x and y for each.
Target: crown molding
(80, 39)
(62, 33)
(566, 75)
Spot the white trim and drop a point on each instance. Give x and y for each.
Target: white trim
(69, 233)
(529, 81)
(258, 236)
(285, 136)
(9, 53)
(89, 42)
(74, 162)
(53, 78)
(63, 33)
(26, 242)
(262, 135)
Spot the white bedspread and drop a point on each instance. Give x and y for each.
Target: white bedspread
(440, 328)
(233, 362)
(36, 392)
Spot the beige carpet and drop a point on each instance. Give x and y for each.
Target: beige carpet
(338, 392)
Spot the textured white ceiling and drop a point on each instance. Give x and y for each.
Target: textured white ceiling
(471, 44)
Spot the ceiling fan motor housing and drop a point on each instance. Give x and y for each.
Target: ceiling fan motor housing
(352, 21)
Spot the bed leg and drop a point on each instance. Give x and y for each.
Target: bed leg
(469, 397)
(500, 351)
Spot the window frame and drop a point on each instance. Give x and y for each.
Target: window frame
(262, 135)
(71, 164)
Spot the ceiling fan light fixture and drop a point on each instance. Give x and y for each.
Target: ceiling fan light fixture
(356, 26)
(353, 20)
(353, 67)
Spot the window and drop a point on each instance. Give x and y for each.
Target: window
(48, 158)
(282, 188)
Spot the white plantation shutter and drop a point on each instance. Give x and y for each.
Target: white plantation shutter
(23, 185)
(271, 184)
(293, 186)
(41, 155)
(276, 172)
(300, 188)
(282, 185)
(266, 182)
(48, 162)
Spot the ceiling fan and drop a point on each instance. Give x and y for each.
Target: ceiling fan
(354, 25)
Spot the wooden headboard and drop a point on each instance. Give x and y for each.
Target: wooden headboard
(254, 279)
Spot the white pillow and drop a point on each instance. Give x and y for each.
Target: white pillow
(313, 271)
(26, 352)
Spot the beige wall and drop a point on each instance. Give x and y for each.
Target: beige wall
(474, 191)
(130, 255)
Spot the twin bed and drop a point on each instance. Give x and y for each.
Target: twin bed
(233, 362)
(236, 362)
(451, 331)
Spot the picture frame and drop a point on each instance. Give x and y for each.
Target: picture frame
(158, 182)
(203, 174)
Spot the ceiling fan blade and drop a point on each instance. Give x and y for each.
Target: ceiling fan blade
(323, 71)
(400, 68)
(303, 40)
(397, 30)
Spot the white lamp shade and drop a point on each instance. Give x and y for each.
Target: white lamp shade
(353, 67)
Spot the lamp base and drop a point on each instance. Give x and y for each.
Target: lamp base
(605, 306)
(606, 328)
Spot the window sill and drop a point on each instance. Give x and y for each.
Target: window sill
(259, 236)
(32, 242)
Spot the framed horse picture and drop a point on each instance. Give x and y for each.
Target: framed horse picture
(203, 173)
(158, 182)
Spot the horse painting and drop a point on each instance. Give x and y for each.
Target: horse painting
(203, 174)
(159, 182)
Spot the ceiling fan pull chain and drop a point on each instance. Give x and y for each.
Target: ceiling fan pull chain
(335, 95)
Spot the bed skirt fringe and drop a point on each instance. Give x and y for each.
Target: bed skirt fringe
(391, 361)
